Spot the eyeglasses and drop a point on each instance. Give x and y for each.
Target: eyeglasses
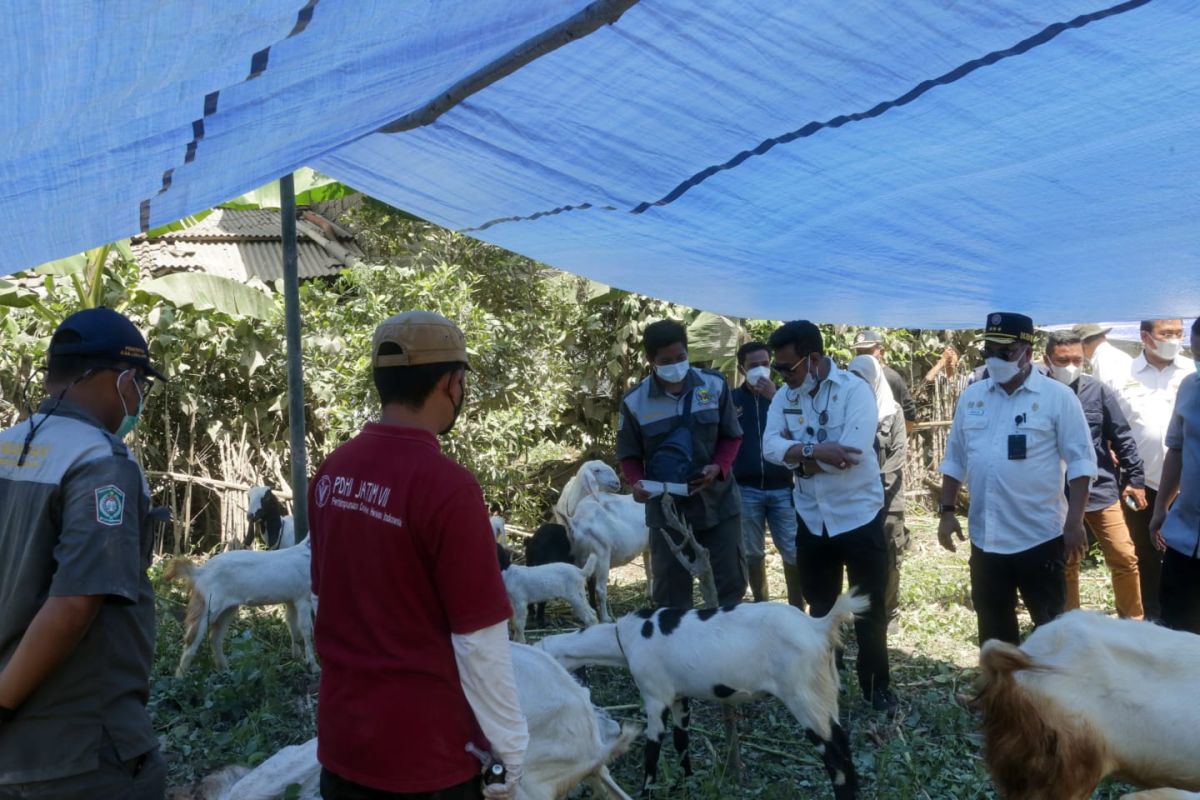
(1005, 353)
(785, 369)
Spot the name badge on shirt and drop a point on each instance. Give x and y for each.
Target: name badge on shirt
(1016, 447)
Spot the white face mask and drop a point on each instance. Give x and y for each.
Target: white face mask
(1167, 349)
(1002, 371)
(756, 374)
(672, 373)
(1067, 374)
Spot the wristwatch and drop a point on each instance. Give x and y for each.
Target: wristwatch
(806, 451)
(945, 509)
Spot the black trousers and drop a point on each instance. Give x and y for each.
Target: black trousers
(1180, 597)
(335, 787)
(1150, 560)
(862, 554)
(1039, 573)
(672, 583)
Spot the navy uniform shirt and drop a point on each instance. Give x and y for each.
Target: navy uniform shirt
(751, 468)
(1110, 432)
(648, 415)
(73, 523)
(1182, 528)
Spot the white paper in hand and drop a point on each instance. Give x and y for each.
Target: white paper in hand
(655, 488)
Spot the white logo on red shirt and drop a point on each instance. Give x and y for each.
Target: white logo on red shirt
(324, 487)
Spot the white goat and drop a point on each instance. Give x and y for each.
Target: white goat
(540, 584)
(262, 506)
(610, 526)
(1087, 696)
(499, 529)
(730, 655)
(570, 742)
(245, 577)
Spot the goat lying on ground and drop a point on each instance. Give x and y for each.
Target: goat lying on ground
(548, 545)
(570, 742)
(546, 582)
(263, 508)
(730, 655)
(610, 526)
(240, 578)
(1087, 696)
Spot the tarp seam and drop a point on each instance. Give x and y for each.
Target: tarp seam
(258, 65)
(1047, 34)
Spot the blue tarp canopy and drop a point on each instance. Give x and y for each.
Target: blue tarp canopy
(912, 163)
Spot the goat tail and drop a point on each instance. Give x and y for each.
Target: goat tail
(848, 605)
(589, 566)
(180, 569)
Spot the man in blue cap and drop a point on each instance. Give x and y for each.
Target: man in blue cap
(1017, 435)
(76, 606)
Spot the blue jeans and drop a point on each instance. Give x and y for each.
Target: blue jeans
(773, 506)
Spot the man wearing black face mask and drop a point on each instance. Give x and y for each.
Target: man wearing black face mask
(76, 606)
(1011, 436)
(412, 626)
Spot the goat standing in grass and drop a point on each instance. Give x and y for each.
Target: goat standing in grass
(1087, 696)
(605, 524)
(549, 544)
(526, 585)
(264, 509)
(729, 655)
(245, 577)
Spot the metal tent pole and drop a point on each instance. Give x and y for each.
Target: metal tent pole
(291, 304)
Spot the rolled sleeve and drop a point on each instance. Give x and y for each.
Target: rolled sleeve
(1075, 444)
(954, 461)
(99, 549)
(862, 418)
(1174, 437)
(774, 444)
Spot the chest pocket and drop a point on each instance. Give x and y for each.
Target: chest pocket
(1040, 437)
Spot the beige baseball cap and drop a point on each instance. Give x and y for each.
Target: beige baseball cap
(423, 338)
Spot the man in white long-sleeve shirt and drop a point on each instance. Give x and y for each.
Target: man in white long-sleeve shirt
(413, 615)
(1016, 435)
(1147, 396)
(1109, 365)
(822, 425)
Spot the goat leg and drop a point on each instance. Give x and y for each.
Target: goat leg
(733, 755)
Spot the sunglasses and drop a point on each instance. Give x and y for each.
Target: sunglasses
(1005, 353)
(786, 369)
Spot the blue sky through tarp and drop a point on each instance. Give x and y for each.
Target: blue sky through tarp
(910, 164)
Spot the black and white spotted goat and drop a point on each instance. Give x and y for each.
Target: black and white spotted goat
(264, 509)
(730, 655)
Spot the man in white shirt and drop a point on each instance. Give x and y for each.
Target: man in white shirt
(1109, 364)
(822, 425)
(1014, 437)
(1147, 396)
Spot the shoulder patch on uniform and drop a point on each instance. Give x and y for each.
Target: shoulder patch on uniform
(110, 505)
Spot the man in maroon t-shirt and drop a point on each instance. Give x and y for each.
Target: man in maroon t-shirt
(412, 624)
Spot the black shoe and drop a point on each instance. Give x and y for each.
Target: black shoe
(885, 700)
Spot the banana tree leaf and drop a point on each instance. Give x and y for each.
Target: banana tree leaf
(712, 337)
(178, 224)
(13, 296)
(71, 265)
(202, 291)
(311, 187)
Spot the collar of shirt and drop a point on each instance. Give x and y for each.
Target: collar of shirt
(69, 409)
(419, 435)
(1141, 364)
(690, 382)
